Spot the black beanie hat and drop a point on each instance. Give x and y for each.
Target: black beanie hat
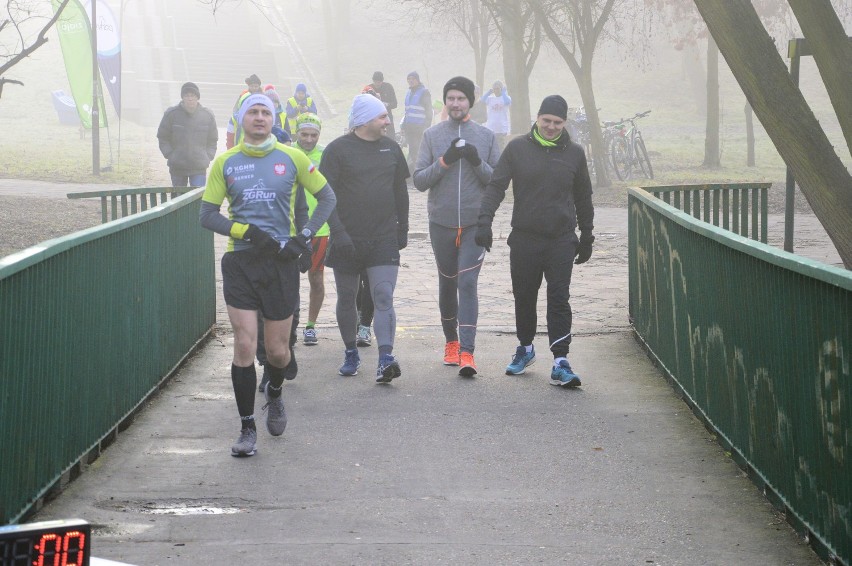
(190, 87)
(462, 84)
(555, 105)
(378, 76)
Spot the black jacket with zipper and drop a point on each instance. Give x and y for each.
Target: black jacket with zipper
(551, 187)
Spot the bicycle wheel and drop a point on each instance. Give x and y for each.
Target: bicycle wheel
(621, 159)
(642, 158)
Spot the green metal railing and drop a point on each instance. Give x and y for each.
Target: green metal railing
(119, 203)
(759, 342)
(742, 208)
(90, 325)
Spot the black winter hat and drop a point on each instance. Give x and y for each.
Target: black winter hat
(462, 84)
(378, 76)
(190, 88)
(555, 105)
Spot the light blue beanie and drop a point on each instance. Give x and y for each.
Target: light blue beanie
(365, 107)
(253, 100)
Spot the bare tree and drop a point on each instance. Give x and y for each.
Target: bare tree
(521, 38)
(575, 28)
(15, 44)
(832, 53)
(785, 114)
(472, 20)
(683, 17)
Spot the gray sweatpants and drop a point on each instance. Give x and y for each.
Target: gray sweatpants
(459, 261)
(382, 280)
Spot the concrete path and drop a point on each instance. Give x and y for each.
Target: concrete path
(435, 469)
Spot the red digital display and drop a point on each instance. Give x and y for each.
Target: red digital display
(50, 543)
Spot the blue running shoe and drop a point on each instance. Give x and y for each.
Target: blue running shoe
(351, 363)
(521, 361)
(388, 369)
(564, 376)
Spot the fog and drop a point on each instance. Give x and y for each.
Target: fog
(168, 42)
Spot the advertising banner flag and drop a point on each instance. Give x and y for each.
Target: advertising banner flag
(75, 40)
(109, 50)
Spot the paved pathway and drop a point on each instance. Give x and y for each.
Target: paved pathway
(434, 468)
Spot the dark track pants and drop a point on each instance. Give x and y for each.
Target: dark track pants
(530, 258)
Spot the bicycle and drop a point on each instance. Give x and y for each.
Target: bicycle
(578, 128)
(627, 150)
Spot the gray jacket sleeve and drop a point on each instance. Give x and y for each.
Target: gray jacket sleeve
(428, 170)
(212, 219)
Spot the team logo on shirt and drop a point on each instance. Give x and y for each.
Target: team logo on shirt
(237, 169)
(280, 169)
(312, 168)
(259, 193)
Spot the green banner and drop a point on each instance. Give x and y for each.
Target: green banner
(75, 37)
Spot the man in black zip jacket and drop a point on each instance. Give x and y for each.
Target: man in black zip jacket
(553, 197)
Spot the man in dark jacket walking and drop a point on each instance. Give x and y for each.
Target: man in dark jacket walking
(388, 97)
(188, 137)
(552, 197)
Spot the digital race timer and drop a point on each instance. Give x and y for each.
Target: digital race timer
(49, 543)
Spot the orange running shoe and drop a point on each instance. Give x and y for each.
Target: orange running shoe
(468, 366)
(451, 353)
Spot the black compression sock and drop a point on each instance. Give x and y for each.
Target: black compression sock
(245, 386)
(276, 379)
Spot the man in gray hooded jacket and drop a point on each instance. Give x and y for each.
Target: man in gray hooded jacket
(455, 162)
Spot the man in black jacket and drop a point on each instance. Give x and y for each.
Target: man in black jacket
(552, 197)
(188, 138)
(388, 97)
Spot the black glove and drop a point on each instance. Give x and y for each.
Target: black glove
(305, 262)
(469, 152)
(261, 240)
(484, 236)
(295, 247)
(584, 248)
(401, 236)
(453, 153)
(342, 247)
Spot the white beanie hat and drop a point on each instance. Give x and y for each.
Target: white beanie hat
(365, 107)
(252, 100)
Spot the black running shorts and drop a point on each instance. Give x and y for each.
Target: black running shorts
(256, 281)
(370, 253)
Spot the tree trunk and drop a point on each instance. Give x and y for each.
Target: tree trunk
(514, 67)
(749, 135)
(712, 155)
(833, 55)
(784, 113)
(479, 17)
(587, 94)
(332, 35)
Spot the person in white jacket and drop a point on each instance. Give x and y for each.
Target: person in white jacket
(497, 102)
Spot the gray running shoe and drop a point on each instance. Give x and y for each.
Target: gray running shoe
(363, 338)
(310, 336)
(245, 444)
(276, 417)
